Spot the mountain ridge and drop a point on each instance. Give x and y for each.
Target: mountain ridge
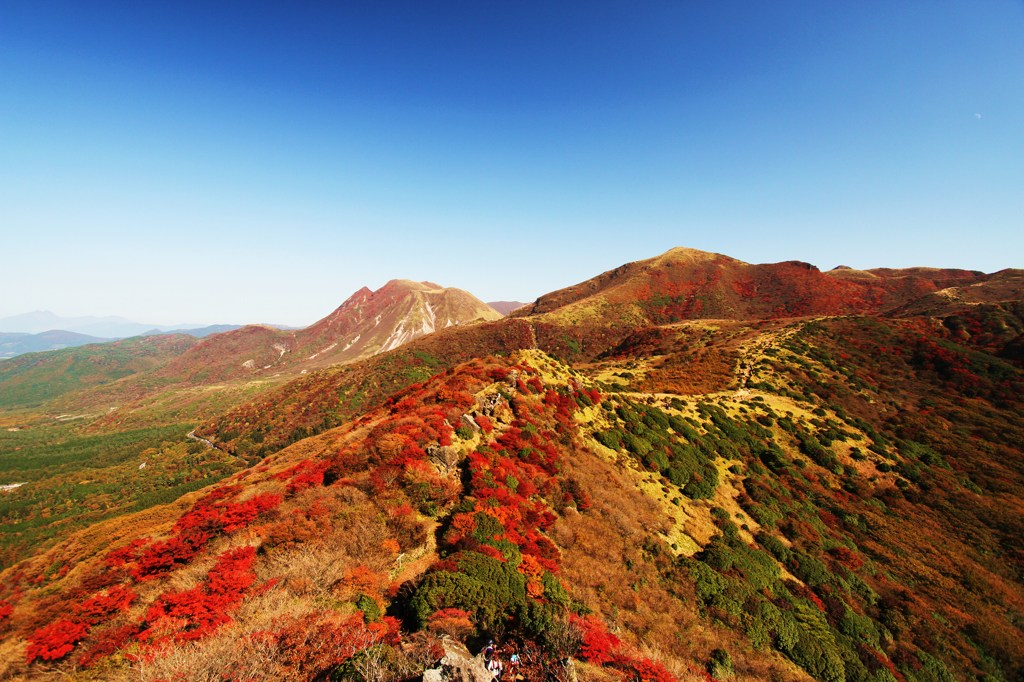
(685, 283)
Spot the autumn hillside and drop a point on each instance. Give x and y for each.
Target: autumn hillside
(684, 284)
(820, 478)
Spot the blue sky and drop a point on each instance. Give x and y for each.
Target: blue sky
(257, 161)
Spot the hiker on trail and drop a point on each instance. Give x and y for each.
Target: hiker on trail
(513, 665)
(489, 651)
(495, 668)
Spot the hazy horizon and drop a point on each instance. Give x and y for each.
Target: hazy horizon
(204, 164)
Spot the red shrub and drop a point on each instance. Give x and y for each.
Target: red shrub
(56, 640)
(316, 643)
(101, 606)
(492, 552)
(117, 558)
(847, 557)
(232, 574)
(163, 556)
(107, 643)
(453, 622)
(485, 423)
(194, 614)
(642, 670)
(599, 646)
(237, 516)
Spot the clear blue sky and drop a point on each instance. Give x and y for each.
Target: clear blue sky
(255, 161)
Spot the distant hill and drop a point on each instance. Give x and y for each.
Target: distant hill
(367, 323)
(686, 284)
(372, 322)
(197, 332)
(44, 320)
(33, 378)
(505, 307)
(101, 328)
(15, 343)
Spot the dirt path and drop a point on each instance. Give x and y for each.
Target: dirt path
(752, 352)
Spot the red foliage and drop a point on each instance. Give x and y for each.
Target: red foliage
(208, 517)
(452, 622)
(492, 552)
(121, 556)
(232, 574)
(194, 614)
(56, 640)
(107, 643)
(101, 606)
(829, 519)
(599, 646)
(163, 556)
(6, 608)
(485, 423)
(847, 557)
(319, 642)
(304, 475)
(237, 516)
(642, 670)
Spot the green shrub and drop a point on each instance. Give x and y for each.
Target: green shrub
(493, 591)
(702, 485)
(368, 605)
(720, 666)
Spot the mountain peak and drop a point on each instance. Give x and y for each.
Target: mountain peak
(370, 322)
(683, 254)
(409, 285)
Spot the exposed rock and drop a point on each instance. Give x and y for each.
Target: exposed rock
(488, 403)
(458, 665)
(444, 457)
(467, 420)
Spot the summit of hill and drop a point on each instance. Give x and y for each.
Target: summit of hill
(685, 284)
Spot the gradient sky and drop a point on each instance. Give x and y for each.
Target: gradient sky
(254, 161)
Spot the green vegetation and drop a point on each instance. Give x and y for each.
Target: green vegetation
(74, 480)
(31, 380)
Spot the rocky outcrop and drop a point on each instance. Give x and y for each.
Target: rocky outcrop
(458, 665)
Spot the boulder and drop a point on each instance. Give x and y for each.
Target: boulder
(458, 665)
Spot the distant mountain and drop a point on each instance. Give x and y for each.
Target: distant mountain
(44, 320)
(33, 378)
(372, 322)
(686, 284)
(197, 332)
(13, 344)
(103, 328)
(16, 343)
(505, 307)
(367, 323)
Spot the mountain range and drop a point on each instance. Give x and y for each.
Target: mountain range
(18, 343)
(110, 327)
(685, 468)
